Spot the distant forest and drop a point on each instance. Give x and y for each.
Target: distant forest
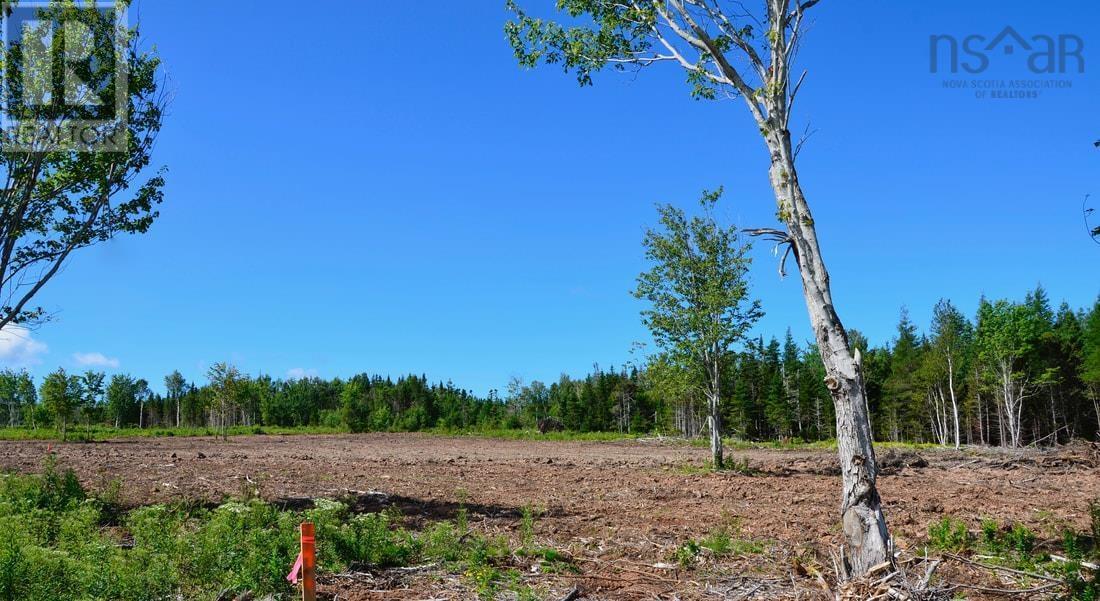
(1016, 373)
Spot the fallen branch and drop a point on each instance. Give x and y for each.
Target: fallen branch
(1003, 569)
(924, 581)
(1083, 564)
(426, 566)
(615, 566)
(1004, 591)
(572, 594)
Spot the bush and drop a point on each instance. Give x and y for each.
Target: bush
(687, 553)
(331, 419)
(1021, 540)
(56, 547)
(356, 413)
(949, 535)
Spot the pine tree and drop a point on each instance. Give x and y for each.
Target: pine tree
(1090, 364)
(903, 396)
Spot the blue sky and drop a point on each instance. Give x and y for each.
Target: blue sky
(384, 190)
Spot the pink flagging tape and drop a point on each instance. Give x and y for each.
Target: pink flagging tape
(292, 577)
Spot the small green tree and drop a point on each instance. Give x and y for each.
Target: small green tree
(354, 406)
(61, 395)
(176, 386)
(121, 399)
(91, 385)
(225, 382)
(698, 296)
(17, 392)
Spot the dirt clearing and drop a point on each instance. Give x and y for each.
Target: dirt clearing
(620, 509)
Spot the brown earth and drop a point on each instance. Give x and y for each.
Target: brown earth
(620, 509)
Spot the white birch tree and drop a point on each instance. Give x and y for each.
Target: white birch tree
(727, 51)
(952, 337)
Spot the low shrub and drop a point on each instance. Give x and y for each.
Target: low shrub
(62, 545)
(949, 534)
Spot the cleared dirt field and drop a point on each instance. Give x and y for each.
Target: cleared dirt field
(620, 509)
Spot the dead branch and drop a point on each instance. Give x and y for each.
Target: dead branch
(1083, 564)
(573, 594)
(1005, 591)
(1002, 569)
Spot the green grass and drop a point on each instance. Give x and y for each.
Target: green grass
(1013, 545)
(532, 434)
(723, 541)
(794, 444)
(79, 433)
(732, 464)
(100, 433)
(63, 545)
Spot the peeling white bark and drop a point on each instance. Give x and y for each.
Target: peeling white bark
(867, 538)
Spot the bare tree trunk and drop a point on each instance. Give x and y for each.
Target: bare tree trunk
(1000, 423)
(1013, 395)
(954, 400)
(1053, 415)
(817, 417)
(938, 415)
(1096, 409)
(981, 425)
(714, 395)
(867, 539)
(933, 415)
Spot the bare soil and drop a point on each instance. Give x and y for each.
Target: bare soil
(620, 509)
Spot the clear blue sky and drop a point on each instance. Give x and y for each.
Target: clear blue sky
(384, 190)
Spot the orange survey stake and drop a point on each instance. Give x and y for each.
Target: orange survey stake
(309, 563)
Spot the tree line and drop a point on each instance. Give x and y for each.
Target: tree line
(1016, 373)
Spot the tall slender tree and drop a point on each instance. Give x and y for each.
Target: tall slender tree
(143, 395)
(1005, 338)
(175, 385)
(91, 386)
(727, 51)
(225, 384)
(952, 338)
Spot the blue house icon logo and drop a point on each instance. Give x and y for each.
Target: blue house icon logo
(1008, 40)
